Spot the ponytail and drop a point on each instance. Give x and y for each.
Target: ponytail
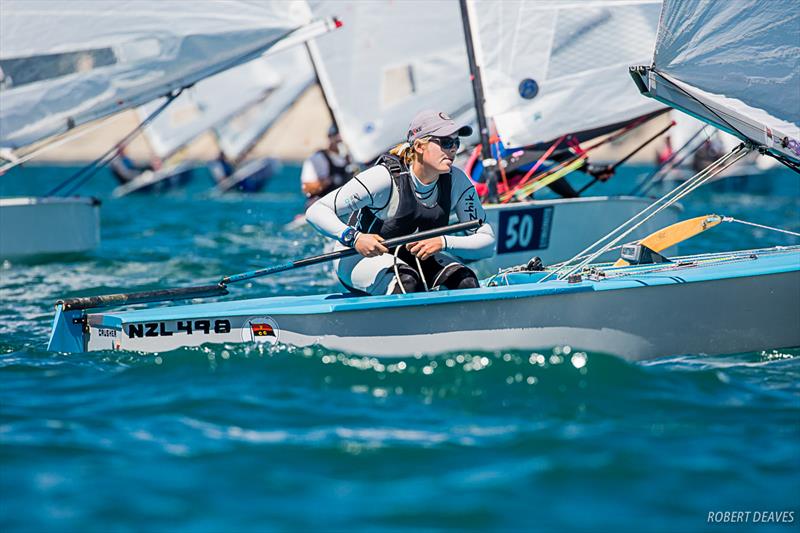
(405, 150)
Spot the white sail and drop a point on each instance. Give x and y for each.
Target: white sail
(389, 61)
(294, 74)
(735, 65)
(67, 63)
(204, 105)
(555, 67)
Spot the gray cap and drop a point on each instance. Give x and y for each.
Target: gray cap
(434, 123)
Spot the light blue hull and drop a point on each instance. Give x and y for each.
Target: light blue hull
(709, 304)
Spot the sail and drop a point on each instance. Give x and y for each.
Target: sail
(206, 104)
(294, 75)
(64, 64)
(389, 61)
(555, 67)
(735, 65)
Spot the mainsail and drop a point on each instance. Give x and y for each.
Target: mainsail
(555, 67)
(206, 104)
(294, 74)
(65, 64)
(389, 61)
(735, 65)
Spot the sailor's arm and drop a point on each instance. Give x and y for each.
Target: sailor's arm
(367, 189)
(477, 244)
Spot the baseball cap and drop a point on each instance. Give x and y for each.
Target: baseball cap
(434, 123)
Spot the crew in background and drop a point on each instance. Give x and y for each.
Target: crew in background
(326, 169)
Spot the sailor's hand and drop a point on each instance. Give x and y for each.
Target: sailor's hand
(425, 249)
(370, 245)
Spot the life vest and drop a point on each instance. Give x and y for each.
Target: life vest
(338, 174)
(411, 215)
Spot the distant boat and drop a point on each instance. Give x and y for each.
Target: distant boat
(239, 136)
(63, 68)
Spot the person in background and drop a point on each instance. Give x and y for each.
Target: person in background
(221, 167)
(414, 187)
(326, 169)
(125, 169)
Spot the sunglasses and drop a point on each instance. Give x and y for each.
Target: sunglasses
(447, 143)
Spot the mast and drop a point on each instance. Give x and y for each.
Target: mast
(319, 83)
(489, 163)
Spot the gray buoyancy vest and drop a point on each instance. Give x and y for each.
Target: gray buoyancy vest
(411, 215)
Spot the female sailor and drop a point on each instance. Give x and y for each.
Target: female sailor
(412, 188)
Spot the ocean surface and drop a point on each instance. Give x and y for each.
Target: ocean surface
(236, 439)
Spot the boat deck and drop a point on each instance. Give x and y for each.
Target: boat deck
(688, 269)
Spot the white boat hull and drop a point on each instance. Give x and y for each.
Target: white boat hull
(556, 230)
(31, 226)
(702, 306)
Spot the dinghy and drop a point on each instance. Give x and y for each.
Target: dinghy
(708, 303)
(63, 68)
(28, 231)
(645, 305)
(702, 304)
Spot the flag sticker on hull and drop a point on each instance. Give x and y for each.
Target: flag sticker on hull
(261, 330)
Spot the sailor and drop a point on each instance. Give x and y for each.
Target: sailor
(326, 169)
(124, 169)
(412, 188)
(221, 167)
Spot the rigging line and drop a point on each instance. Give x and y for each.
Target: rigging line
(612, 168)
(677, 192)
(701, 179)
(66, 137)
(782, 159)
(649, 179)
(89, 171)
(661, 173)
(731, 219)
(534, 168)
(583, 154)
(712, 170)
(641, 146)
(539, 184)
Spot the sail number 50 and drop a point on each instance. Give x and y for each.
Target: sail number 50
(523, 229)
(519, 231)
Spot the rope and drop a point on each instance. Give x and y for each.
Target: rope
(731, 219)
(657, 175)
(397, 272)
(522, 190)
(539, 184)
(534, 168)
(652, 210)
(90, 170)
(56, 142)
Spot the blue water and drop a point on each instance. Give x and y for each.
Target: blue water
(233, 439)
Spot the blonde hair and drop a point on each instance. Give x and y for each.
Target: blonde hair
(406, 152)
